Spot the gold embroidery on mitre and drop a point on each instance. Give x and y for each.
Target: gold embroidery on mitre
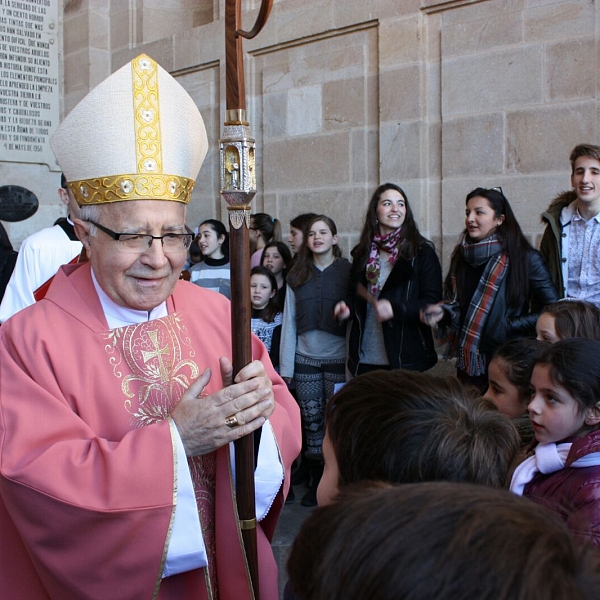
(153, 353)
(146, 110)
(118, 188)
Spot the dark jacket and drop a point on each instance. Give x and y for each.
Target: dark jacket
(411, 285)
(551, 246)
(573, 493)
(504, 324)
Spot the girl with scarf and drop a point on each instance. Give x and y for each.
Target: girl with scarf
(563, 473)
(395, 272)
(496, 286)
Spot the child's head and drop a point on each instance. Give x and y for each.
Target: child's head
(321, 236)
(565, 386)
(213, 239)
(509, 375)
(298, 230)
(263, 287)
(568, 319)
(402, 427)
(439, 540)
(276, 257)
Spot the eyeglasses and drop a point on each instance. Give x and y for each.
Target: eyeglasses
(140, 242)
(498, 189)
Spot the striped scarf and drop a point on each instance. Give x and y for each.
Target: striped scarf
(467, 353)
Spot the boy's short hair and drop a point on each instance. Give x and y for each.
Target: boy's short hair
(439, 540)
(405, 427)
(588, 150)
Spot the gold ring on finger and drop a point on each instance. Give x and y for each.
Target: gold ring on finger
(231, 422)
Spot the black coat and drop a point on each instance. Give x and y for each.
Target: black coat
(504, 324)
(411, 285)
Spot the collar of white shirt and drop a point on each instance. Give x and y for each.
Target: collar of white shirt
(120, 316)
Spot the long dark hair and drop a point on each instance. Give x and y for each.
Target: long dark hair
(220, 230)
(410, 238)
(269, 312)
(269, 227)
(302, 268)
(513, 243)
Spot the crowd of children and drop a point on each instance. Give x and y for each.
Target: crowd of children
(523, 413)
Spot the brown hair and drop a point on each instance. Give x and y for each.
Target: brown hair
(575, 318)
(269, 312)
(405, 427)
(409, 241)
(439, 540)
(588, 150)
(302, 268)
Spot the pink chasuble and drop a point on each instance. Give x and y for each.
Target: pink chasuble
(87, 458)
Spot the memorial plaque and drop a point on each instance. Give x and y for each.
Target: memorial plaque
(29, 71)
(17, 203)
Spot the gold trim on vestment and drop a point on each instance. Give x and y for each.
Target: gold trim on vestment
(145, 186)
(146, 111)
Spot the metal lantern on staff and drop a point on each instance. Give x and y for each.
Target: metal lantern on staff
(238, 187)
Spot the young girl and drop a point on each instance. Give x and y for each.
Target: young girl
(395, 272)
(266, 316)
(263, 229)
(277, 258)
(497, 284)
(313, 343)
(213, 271)
(568, 318)
(509, 377)
(564, 472)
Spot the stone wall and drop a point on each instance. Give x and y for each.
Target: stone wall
(437, 96)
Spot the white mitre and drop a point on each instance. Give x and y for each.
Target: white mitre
(136, 136)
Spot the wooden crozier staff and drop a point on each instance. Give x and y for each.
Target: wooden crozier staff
(238, 187)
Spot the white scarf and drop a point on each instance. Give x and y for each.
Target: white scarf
(548, 458)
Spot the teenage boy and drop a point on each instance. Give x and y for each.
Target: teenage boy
(571, 241)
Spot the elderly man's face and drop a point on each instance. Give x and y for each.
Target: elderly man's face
(144, 280)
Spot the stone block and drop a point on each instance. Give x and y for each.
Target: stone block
(365, 157)
(100, 31)
(473, 145)
(570, 18)
(99, 64)
(482, 9)
(350, 12)
(274, 117)
(76, 70)
(571, 69)
(345, 205)
(304, 110)
(400, 93)
(399, 41)
(199, 46)
(540, 140)
(307, 162)
(399, 155)
(120, 29)
(297, 19)
(76, 33)
(162, 22)
(344, 104)
(492, 80)
(473, 36)
(530, 195)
